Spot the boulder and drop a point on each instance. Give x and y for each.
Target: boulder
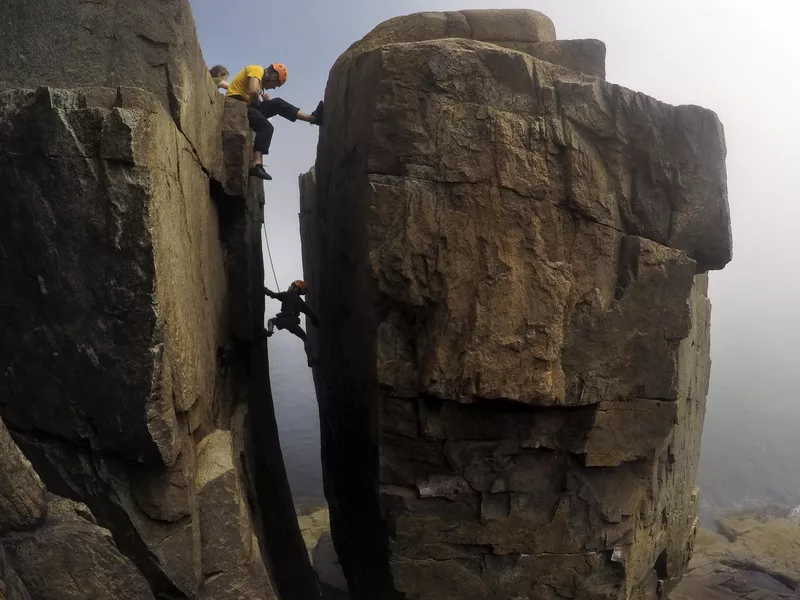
(584, 56)
(524, 30)
(329, 572)
(515, 25)
(511, 257)
(313, 525)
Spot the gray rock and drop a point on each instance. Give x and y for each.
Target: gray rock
(329, 571)
(584, 56)
(71, 558)
(753, 560)
(151, 45)
(515, 25)
(247, 582)
(132, 287)
(11, 587)
(224, 520)
(22, 494)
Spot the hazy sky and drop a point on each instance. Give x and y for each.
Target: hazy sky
(727, 55)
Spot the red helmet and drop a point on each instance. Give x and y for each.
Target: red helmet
(301, 286)
(282, 71)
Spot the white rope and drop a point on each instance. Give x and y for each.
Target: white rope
(271, 264)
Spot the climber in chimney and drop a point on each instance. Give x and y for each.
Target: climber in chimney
(289, 318)
(250, 86)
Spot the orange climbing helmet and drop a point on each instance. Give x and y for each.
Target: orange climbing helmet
(282, 72)
(301, 286)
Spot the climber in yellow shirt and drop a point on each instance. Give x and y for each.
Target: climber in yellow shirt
(250, 86)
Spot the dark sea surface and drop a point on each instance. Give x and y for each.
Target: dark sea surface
(298, 417)
(750, 456)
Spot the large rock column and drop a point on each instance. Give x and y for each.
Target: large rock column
(133, 366)
(509, 258)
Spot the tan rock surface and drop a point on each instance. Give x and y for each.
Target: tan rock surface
(313, 525)
(22, 494)
(510, 256)
(132, 293)
(753, 558)
(71, 558)
(224, 520)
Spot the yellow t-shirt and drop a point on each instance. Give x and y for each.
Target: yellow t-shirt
(240, 84)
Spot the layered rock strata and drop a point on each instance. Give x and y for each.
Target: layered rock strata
(509, 257)
(132, 355)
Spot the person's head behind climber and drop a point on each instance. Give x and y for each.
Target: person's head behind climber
(299, 287)
(218, 72)
(275, 76)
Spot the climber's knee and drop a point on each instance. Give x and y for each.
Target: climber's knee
(279, 106)
(297, 330)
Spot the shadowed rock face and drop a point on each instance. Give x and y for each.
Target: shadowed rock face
(53, 548)
(509, 258)
(132, 356)
(116, 287)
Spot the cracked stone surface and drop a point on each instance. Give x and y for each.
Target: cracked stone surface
(150, 45)
(53, 548)
(130, 303)
(510, 257)
(117, 241)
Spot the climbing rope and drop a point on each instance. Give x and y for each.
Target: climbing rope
(271, 264)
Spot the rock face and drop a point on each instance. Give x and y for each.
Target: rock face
(753, 557)
(509, 260)
(133, 359)
(22, 494)
(53, 548)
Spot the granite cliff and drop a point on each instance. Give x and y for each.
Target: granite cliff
(509, 257)
(132, 355)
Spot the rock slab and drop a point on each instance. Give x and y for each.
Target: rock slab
(510, 257)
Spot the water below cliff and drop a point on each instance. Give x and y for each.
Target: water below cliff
(749, 456)
(298, 417)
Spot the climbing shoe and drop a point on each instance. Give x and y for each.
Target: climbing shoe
(260, 172)
(318, 113)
